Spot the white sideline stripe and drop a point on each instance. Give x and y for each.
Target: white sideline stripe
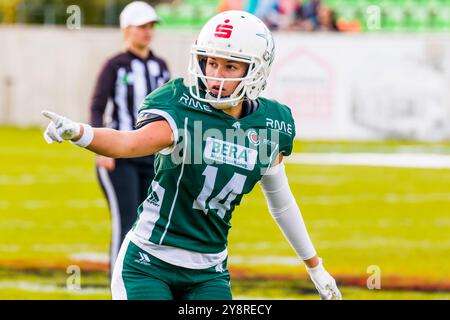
(319, 199)
(40, 227)
(264, 260)
(397, 198)
(39, 247)
(39, 204)
(115, 215)
(90, 256)
(36, 287)
(386, 198)
(9, 248)
(384, 244)
(400, 160)
(39, 178)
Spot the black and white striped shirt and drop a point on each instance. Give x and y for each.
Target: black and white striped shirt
(124, 81)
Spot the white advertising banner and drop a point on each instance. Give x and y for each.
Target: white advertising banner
(339, 86)
(364, 86)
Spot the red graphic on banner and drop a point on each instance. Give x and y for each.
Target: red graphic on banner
(224, 30)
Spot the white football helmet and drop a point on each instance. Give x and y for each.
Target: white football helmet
(232, 35)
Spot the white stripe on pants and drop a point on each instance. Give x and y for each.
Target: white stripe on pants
(118, 290)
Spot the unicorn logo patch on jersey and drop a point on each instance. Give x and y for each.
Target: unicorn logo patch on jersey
(253, 137)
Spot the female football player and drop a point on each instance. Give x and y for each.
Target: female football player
(214, 139)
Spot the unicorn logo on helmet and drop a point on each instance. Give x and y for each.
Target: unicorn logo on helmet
(269, 55)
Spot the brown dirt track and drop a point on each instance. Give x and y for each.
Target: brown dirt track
(389, 282)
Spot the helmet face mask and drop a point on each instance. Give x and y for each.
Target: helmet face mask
(247, 40)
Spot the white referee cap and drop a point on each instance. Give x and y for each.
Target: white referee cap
(137, 13)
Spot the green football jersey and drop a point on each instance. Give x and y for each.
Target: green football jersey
(215, 160)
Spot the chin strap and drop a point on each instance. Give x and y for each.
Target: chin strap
(221, 105)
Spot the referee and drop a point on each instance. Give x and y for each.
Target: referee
(124, 81)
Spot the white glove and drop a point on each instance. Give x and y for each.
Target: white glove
(60, 128)
(324, 282)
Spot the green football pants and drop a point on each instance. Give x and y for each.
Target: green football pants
(141, 276)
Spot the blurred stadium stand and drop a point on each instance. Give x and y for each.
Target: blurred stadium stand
(395, 15)
(187, 13)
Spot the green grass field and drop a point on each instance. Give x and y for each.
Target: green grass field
(53, 214)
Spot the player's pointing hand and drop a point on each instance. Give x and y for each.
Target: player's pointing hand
(60, 128)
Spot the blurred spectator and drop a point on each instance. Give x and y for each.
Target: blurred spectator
(301, 19)
(288, 11)
(225, 5)
(292, 15)
(311, 12)
(326, 19)
(267, 11)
